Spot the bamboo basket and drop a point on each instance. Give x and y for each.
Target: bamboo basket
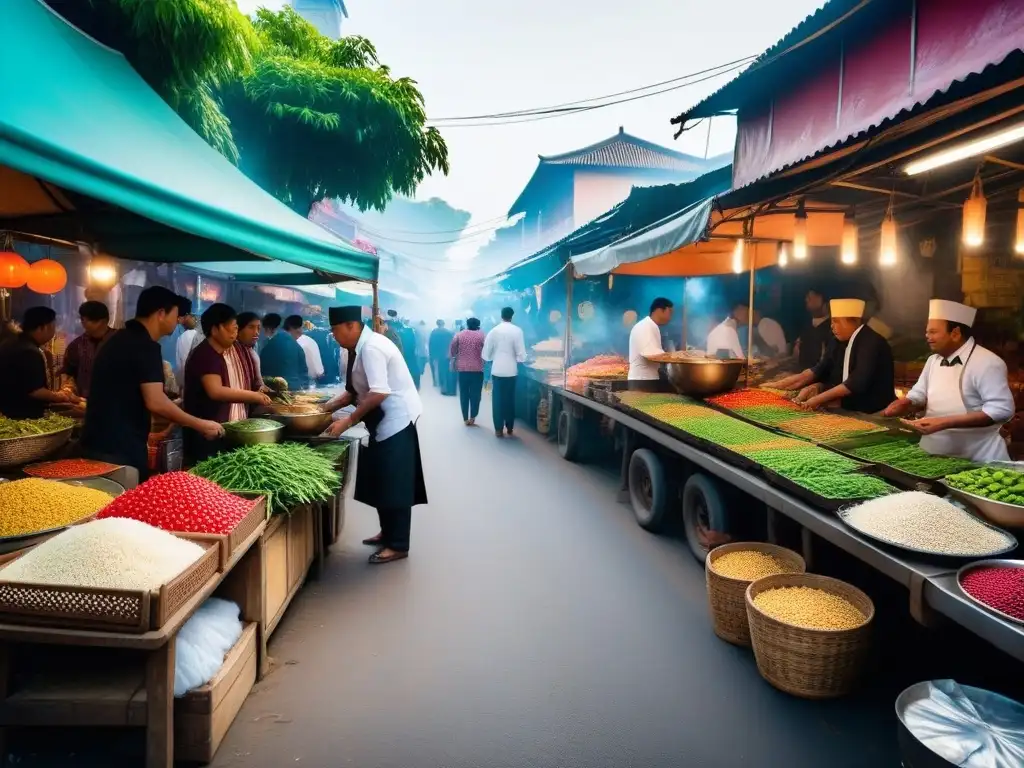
(15, 451)
(809, 663)
(727, 597)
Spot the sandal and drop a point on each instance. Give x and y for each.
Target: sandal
(373, 541)
(379, 559)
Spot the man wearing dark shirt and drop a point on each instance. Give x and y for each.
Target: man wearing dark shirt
(127, 386)
(81, 354)
(817, 335)
(24, 385)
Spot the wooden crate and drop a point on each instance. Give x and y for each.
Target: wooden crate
(230, 543)
(111, 610)
(202, 717)
(289, 549)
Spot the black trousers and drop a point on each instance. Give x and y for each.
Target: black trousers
(471, 384)
(503, 402)
(395, 524)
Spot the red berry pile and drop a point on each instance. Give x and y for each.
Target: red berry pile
(997, 587)
(182, 502)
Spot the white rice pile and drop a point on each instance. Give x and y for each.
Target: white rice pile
(923, 521)
(113, 553)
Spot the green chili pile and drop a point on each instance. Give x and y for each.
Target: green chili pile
(808, 461)
(252, 425)
(908, 457)
(51, 422)
(851, 486)
(289, 473)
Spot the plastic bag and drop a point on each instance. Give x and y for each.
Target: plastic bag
(967, 726)
(203, 642)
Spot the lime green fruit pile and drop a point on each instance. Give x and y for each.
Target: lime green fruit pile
(997, 484)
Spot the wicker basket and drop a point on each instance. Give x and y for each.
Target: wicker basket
(15, 451)
(727, 596)
(230, 543)
(809, 663)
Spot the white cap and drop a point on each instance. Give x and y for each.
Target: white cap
(953, 311)
(846, 307)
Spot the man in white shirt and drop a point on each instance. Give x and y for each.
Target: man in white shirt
(504, 349)
(963, 389)
(189, 339)
(314, 363)
(724, 340)
(769, 338)
(645, 342)
(390, 473)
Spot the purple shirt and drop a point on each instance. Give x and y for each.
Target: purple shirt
(78, 360)
(467, 350)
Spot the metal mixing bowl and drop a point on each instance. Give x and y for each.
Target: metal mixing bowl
(304, 423)
(703, 377)
(998, 512)
(252, 437)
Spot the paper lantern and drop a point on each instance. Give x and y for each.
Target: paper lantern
(851, 241)
(102, 272)
(737, 257)
(800, 233)
(47, 276)
(888, 252)
(13, 270)
(1019, 245)
(974, 216)
(783, 255)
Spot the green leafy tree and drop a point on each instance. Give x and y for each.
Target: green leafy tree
(319, 118)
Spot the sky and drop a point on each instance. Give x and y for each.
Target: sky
(474, 56)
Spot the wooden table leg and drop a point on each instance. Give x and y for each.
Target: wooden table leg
(160, 707)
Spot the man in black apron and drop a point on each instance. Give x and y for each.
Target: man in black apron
(390, 474)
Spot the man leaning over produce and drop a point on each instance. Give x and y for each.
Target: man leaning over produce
(128, 386)
(963, 389)
(24, 384)
(858, 357)
(390, 473)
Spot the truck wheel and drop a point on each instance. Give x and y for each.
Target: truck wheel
(705, 517)
(569, 446)
(648, 490)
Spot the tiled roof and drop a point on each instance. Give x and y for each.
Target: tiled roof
(625, 151)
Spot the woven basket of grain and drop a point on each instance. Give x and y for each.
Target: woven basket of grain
(727, 596)
(809, 663)
(15, 451)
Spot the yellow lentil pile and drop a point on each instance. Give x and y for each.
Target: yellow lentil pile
(747, 565)
(809, 608)
(31, 505)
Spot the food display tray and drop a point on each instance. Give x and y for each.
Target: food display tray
(998, 563)
(105, 610)
(903, 479)
(930, 553)
(32, 468)
(808, 496)
(229, 543)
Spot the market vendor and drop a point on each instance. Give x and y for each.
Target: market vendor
(390, 473)
(858, 364)
(963, 390)
(769, 338)
(220, 380)
(25, 386)
(645, 343)
(724, 339)
(128, 386)
(78, 360)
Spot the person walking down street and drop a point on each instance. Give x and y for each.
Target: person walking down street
(390, 473)
(466, 351)
(505, 349)
(440, 340)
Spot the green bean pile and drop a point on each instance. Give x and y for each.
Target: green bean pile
(252, 425)
(51, 422)
(809, 461)
(334, 450)
(289, 473)
(908, 457)
(851, 486)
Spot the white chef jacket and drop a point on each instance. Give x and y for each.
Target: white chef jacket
(984, 385)
(504, 349)
(644, 341)
(381, 369)
(725, 336)
(314, 364)
(849, 352)
(773, 335)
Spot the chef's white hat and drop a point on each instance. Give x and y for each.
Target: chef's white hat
(953, 311)
(846, 307)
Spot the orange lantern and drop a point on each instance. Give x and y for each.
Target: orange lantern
(14, 270)
(47, 276)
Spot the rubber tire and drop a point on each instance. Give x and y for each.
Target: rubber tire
(646, 462)
(700, 490)
(570, 446)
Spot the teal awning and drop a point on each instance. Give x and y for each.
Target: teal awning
(88, 151)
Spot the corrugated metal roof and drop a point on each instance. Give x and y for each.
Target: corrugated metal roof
(626, 151)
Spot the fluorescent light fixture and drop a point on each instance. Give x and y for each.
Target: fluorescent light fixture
(966, 150)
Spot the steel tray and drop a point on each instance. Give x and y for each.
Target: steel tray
(998, 563)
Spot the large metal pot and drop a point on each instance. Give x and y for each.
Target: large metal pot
(266, 434)
(304, 423)
(702, 377)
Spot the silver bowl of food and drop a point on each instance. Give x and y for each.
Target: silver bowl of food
(108, 487)
(302, 419)
(253, 431)
(701, 376)
(998, 512)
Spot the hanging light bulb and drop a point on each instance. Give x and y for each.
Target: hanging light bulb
(800, 233)
(1019, 245)
(783, 255)
(974, 215)
(737, 257)
(888, 251)
(851, 240)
